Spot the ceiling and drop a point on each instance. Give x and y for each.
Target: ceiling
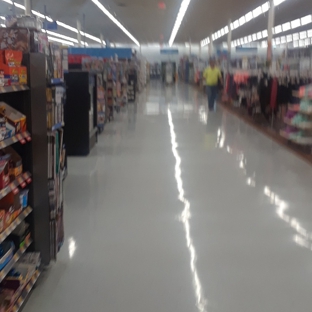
(147, 23)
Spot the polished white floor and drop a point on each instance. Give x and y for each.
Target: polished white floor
(177, 210)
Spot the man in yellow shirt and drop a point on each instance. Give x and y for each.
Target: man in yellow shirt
(212, 76)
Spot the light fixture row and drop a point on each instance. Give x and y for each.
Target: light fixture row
(178, 21)
(61, 24)
(276, 30)
(303, 38)
(115, 21)
(242, 20)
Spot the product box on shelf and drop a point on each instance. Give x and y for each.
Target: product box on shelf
(14, 118)
(4, 174)
(15, 162)
(7, 253)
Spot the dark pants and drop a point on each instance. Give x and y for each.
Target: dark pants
(212, 92)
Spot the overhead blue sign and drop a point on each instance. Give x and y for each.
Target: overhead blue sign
(247, 49)
(169, 51)
(49, 25)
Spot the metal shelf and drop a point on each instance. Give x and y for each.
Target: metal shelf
(23, 138)
(15, 258)
(22, 181)
(25, 293)
(16, 88)
(14, 224)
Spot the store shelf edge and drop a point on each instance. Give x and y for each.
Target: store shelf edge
(17, 88)
(25, 293)
(23, 138)
(15, 258)
(15, 223)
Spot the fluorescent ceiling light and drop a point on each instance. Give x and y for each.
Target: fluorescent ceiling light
(226, 29)
(259, 35)
(286, 26)
(2, 17)
(278, 29)
(278, 40)
(289, 38)
(310, 33)
(67, 26)
(248, 17)
(254, 37)
(264, 33)
(52, 33)
(61, 41)
(283, 39)
(295, 36)
(306, 20)
(296, 23)
(219, 34)
(256, 12)
(296, 44)
(265, 7)
(242, 21)
(20, 6)
(3, 25)
(236, 24)
(278, 2)
(179, 19)
(38, 14)
(222, 32)
(303, 35)
(307, 41)
(90, 37)
(8, 1)
(114, 20)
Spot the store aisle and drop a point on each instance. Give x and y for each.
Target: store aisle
(174, 212)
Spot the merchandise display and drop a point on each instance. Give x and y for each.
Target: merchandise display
(24, 206)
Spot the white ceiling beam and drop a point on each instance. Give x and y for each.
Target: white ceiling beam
(247, 18)
(115, 21)
(178, 21)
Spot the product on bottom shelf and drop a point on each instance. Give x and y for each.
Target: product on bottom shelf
(24, 272)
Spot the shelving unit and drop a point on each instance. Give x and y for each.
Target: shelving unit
(303, 136)
(25, 293)
(80, 113)
(31, 145)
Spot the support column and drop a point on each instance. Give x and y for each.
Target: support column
(27, 5)
(102, 39)
(79, 33)
(271, 21)
(229, 42)
(210, 51)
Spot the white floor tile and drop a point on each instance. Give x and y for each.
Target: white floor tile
(172, 212)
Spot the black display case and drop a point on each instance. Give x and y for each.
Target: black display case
(80, 113)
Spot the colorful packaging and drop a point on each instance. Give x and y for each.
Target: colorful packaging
(22, 70)
(13, 58)
(14, 117)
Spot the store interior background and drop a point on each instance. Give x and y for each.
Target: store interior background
(123, 114)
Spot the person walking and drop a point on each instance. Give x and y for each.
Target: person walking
(212, 75)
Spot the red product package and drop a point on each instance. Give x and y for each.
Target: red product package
(13, 58)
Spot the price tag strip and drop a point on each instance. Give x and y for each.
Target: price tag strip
(23, 138)
(15, 258)
(13, 186)
(25, 293)
(14, 224)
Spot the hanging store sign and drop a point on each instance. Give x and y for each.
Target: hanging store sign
(169, 51)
